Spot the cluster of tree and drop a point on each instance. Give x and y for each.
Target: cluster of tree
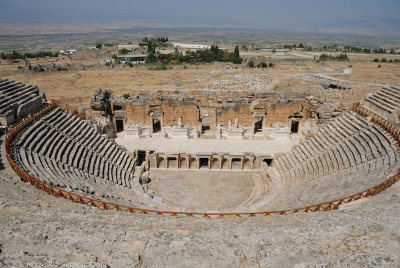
(331, 47)
(153, 43)
(379, 51)
(123, 51)
(385, 60)
(100, 45)
(260, 65)
(350, 48)
(294, 46)
(341, 57)
(16, 55)
(159, 39)
(205, 55)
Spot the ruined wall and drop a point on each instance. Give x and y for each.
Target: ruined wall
(280, 113)
(137, 114)
(171, 111)
(208, 109)
(242, 112)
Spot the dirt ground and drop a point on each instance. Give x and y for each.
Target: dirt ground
(293, 71)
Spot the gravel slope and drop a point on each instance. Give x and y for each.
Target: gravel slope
(40, 230)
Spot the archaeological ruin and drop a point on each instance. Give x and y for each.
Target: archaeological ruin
(203, 153)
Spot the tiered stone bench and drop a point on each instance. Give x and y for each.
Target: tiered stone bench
(64, 151)
(347, 142)
(386, 101)
(18, 100)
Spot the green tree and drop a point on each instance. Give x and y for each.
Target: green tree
(123, 51)
(323, 56)
(99, 45)
(251, 64)
(151, 58)
(262, 65)
(116, 59)
(236, 51)
(237, 60)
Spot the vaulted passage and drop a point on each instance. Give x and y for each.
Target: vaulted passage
(258, 126)
(203, 162)
(294, 127)
(120, 125)
(156, 126)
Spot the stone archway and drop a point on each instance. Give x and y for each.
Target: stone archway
(215, 163)
(247, 164)
(161, 162)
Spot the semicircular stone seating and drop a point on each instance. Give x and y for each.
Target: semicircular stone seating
(64, 151)
(343, 158)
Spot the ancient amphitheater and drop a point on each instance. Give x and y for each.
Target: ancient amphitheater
(206, 179)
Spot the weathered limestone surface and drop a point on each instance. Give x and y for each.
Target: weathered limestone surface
(41, 230)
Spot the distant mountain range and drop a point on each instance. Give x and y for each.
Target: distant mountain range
(25, 21)
(373, 27)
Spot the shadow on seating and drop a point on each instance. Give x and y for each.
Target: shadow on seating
(1, 160)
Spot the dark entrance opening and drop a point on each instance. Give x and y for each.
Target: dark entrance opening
(295, 127)
(268, 161)
(258, 126)
(236, 163)
(120, 125)
(172, 162)
(203, 162)
(141, 157)
(156, 125)
(204, 129)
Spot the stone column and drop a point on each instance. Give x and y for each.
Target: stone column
(263, 125)
(230, 161)
(253, 125)
(155, 160)
(241, 162)
(151, 123)
(218, 132)
(252, 162)
(188, 161)
(209, 162)
(221, 158)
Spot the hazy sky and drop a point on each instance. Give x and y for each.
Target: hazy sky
(283, 14)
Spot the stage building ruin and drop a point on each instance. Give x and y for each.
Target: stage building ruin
(209, 114)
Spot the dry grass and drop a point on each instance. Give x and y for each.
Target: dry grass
(293, 71)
